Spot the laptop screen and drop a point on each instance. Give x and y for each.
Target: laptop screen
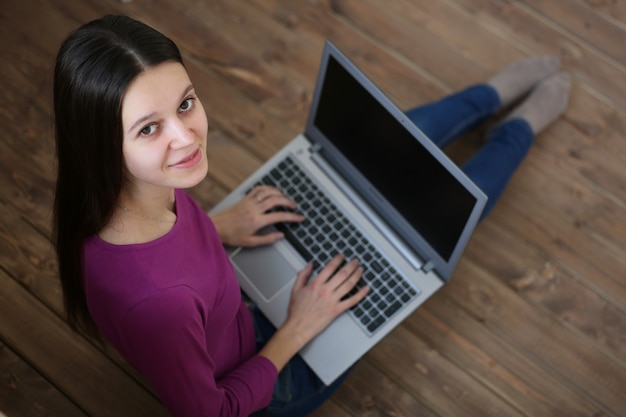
(367, 138)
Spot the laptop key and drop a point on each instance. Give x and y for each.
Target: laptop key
(295, 242)
(390, 311)
(375, 324)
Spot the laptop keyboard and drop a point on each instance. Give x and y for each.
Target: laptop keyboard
(326, 232)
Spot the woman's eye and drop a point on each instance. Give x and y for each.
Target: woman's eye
(186, 105)
(148, 130)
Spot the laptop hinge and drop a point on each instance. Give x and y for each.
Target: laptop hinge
(428, 266)
(316, 148)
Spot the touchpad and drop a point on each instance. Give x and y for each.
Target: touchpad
(265, 268)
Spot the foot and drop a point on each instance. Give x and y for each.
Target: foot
(518, 78)
(546, 102)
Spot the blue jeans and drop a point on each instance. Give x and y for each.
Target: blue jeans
(298, 391)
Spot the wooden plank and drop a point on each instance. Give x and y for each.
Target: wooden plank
(29, 258)
(432, 35)
(261, 38)
(494, 362)
(538, 205)
(594, 146)
(405, 82)
(578, 365)
(25, 393)
(368, 391)
(25, 187)
(583, 20)
(593, 165)
(25, 100)
(552, 286)
(585, 62)
(438, 383)
(615, 9)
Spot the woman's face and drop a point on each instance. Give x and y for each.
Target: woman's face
(165, 130)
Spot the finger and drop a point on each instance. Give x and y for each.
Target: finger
(343, 274)
(255, 193)
(268, 191)
(280, 217)
(302, 277)
(262, 192)
(263, 187)
(271, 201)
(349, 302)
(349, 282)
(269, 219)
(329, 270)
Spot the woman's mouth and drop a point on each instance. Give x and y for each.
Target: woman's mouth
(189, 161)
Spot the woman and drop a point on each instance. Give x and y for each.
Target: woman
(142, 265)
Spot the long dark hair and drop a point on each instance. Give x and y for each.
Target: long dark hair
(94, 67)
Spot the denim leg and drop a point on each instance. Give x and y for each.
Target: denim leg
(298, 391)
(493, 165)
(446, 119)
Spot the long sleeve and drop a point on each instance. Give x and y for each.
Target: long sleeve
(165, 336)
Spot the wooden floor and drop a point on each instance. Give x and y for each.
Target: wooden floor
(534, 320)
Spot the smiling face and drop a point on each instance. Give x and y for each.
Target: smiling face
(165, 130)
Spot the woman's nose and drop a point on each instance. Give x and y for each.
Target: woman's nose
(181, 134)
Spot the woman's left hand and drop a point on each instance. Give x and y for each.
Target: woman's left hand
(239, 224)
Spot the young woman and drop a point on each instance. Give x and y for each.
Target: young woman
(143, 266)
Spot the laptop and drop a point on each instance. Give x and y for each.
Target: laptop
(372, 186)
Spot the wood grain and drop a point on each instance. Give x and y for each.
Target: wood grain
(533, 322)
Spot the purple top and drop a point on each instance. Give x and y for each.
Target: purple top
(173, 309)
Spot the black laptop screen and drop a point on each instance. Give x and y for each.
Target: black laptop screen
(388, 155)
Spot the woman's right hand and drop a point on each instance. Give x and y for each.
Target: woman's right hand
(316, 303)
(313, 306)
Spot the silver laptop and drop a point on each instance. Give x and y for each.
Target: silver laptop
(372, 186)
